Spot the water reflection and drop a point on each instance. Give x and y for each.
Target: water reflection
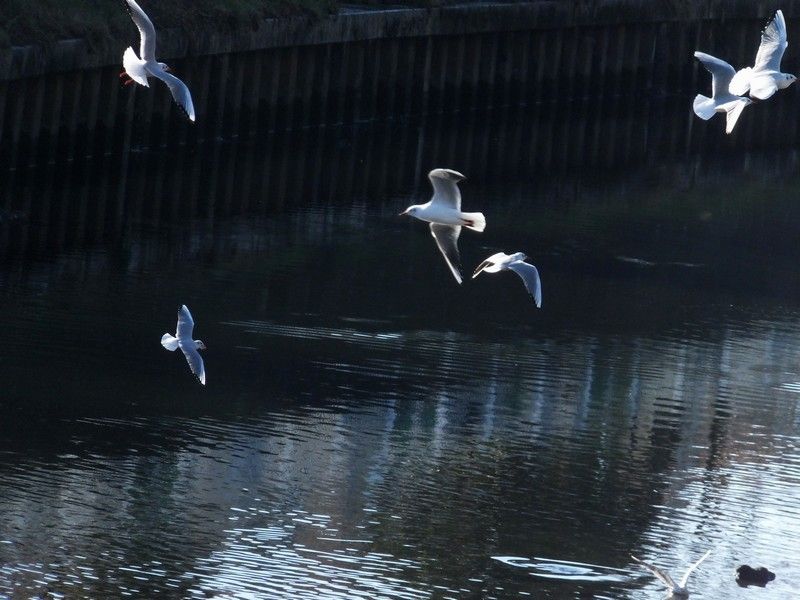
(373, 429)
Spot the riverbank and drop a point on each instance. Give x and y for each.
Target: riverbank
(44, 22)
(53, 37)
(64, 100)
(24, 23)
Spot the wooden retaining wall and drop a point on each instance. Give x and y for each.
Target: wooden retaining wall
(66, 102)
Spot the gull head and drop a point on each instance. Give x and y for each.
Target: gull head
(446, 174)
(786, 80)
(164, 67)
(411, 211)
(199, 345)
(518, 256)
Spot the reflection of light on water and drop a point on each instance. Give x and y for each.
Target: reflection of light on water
(270, 562)
(790, 387)
(548, 568)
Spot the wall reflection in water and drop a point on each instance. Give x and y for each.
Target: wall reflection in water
(369, 428)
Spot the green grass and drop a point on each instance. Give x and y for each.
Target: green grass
(104, 21)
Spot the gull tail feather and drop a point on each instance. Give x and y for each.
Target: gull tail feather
(134, 67)
(169, 342)
(740, 83)
(704, 107)
(478, 221)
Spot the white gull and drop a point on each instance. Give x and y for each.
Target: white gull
(516, 263)
(721, 99)
(183, 340)
(764, 78)
(443, 212)
(139, 68)
(675, 589)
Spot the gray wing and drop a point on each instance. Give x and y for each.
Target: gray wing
(492, 260)
(185, 325)
(773, 44)
(180, 93)
(147, 33)
(663, 576)
(530, 277)
(685, 577)
(732, 114)
(446, 237)
(479, 269)
(446, 193)
(195, 360)
(721, 73)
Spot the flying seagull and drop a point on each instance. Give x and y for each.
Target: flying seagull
(765, 78)
(139, 69)
(183, 340)
(676, 589)
(721, 99)
(514, 262)
(443, 212)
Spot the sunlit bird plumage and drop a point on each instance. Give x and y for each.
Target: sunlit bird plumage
(721, 101)
(443, 212)
(679, 589)
(765, 78)
(183, 340)
(139, 68)
(515, 263)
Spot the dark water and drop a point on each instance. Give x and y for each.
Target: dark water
(371, 430)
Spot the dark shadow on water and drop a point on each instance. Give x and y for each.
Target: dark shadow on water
(368, 421)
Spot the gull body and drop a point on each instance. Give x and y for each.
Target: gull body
(721, 101)
(679, 589)
(765, 78)
(139, 68)
(443, 212)
(183, 340)
(516, 263)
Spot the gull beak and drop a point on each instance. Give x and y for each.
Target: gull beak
(405, 212)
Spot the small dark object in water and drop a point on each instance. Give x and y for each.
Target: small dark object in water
(747, 575)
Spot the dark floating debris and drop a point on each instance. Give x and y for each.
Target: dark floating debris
(747, 576)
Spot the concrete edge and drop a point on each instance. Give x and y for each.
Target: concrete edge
(352, 25)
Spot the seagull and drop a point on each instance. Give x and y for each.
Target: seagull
(676, 589)
(514, 262)
(443, 212)
(183, 340)
(765, 77)
(139, 69)
(721, 99)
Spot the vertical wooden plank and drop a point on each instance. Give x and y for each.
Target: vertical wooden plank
(324, 92)
(358, 57)
(252, 94)
(290, 88)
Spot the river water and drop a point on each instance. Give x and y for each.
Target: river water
(369, 428)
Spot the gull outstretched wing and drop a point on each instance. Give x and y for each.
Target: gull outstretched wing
(663, 576)
(773, 44)
(685, 577)
(530, 277)
(147, 33)
(446, 237)
(180, 93)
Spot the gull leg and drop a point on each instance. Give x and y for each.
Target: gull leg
(126, 79)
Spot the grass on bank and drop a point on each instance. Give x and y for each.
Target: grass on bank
(103, 21)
